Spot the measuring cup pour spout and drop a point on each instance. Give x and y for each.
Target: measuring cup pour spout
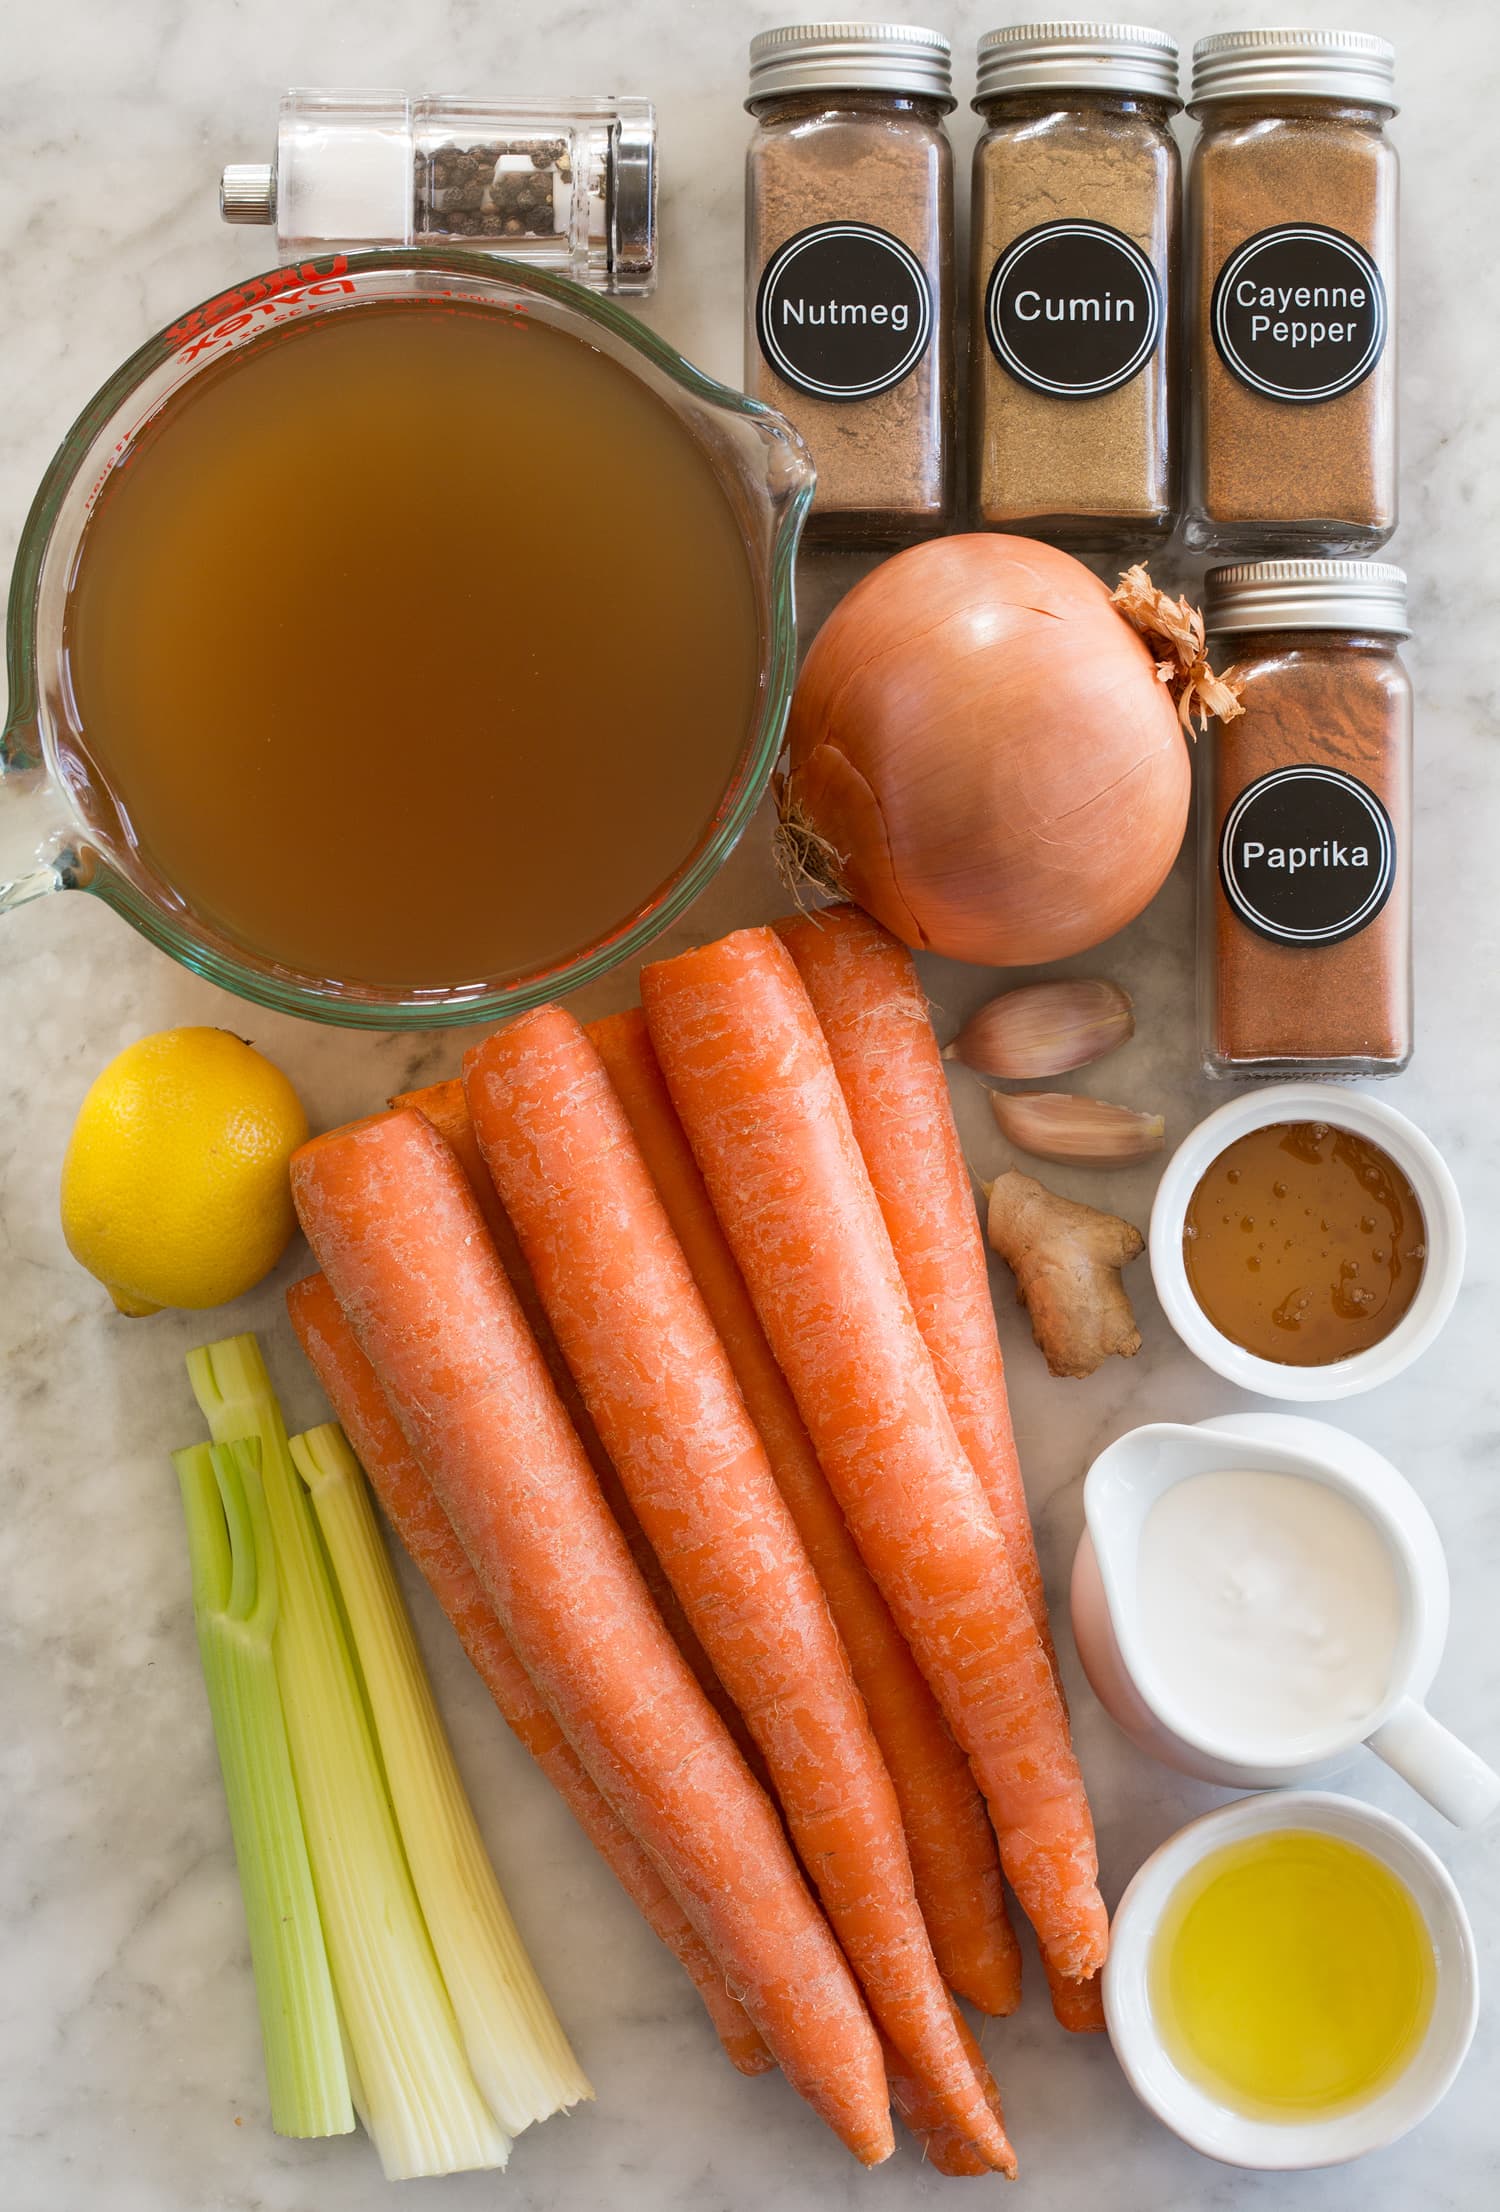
(35, 837)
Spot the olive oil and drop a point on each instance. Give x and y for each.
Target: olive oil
(413, 646)
(1292, 1976)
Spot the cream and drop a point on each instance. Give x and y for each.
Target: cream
(1269, 1608)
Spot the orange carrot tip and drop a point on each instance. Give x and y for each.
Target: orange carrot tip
(1078, 2005)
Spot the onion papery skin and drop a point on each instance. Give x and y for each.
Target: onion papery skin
(984, 744)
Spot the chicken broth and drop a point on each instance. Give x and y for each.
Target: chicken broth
(413, 646)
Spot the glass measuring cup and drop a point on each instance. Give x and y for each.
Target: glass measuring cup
(75, 840)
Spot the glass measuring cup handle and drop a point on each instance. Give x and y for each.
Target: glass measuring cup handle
(36, 837)
(1440, 1768)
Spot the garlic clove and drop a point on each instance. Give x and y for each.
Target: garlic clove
(1060, 1125)
(1045, 1028)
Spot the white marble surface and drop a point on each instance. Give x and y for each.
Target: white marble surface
(129, 2069)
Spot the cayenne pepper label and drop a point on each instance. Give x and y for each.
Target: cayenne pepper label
(1299, 313)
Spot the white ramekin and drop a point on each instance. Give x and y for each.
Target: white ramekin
(1428, 1174)
(1284, 2146)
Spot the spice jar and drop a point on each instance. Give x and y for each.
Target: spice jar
(1292, 245)
(1304, 944)
(849, 269)
(1073, 382)
(567, 185)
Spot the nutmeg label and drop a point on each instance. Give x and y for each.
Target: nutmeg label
(1073, 309)
(844, 311)
(1299, 313)
(1307, 856)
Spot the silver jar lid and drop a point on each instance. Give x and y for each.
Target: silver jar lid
(632, 197)
(1295, 65)
(1104, 57)
(1307, 595)
(851, 57)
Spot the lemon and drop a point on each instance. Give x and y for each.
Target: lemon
(175, 1188)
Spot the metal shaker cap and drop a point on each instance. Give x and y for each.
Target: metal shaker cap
(902, 58)
(247, 192)
(1294, 64)
(1306, 595)
(1100, 57)
(632, 196)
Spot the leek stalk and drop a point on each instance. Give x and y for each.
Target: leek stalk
(514, 2040)
(234, 1608)
(411, 2080)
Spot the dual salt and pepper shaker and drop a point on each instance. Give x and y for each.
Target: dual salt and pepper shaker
(568, 185)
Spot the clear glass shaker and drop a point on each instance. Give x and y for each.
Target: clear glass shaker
(568, 185)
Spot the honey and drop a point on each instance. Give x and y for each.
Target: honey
(413, 646)
(1304, 1243)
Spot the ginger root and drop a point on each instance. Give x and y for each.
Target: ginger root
(1066, 1259)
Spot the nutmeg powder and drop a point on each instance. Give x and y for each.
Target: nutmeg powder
(885, 462)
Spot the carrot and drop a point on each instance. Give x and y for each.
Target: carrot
(873, 1012)
(753, 1083)
(424, 1530)
(944, 2148)
(1079, 2005)
(400, 1236)
(642, 1346)
(445, 1108)
(952, 1846)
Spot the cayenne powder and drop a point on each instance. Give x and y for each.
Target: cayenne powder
(1292, 203)
(1305, 909)
(849, 269)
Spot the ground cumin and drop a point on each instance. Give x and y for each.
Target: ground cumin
(1085, 471)
(885, 461)
(1331, 699)
(1270, 473)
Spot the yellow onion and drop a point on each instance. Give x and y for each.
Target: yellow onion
(984, 753)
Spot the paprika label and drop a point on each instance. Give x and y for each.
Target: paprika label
(1307, 856)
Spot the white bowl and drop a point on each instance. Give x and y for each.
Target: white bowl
(1282, 2146)
(1413, 1153)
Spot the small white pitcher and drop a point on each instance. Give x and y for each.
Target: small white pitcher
(1126, 1481)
